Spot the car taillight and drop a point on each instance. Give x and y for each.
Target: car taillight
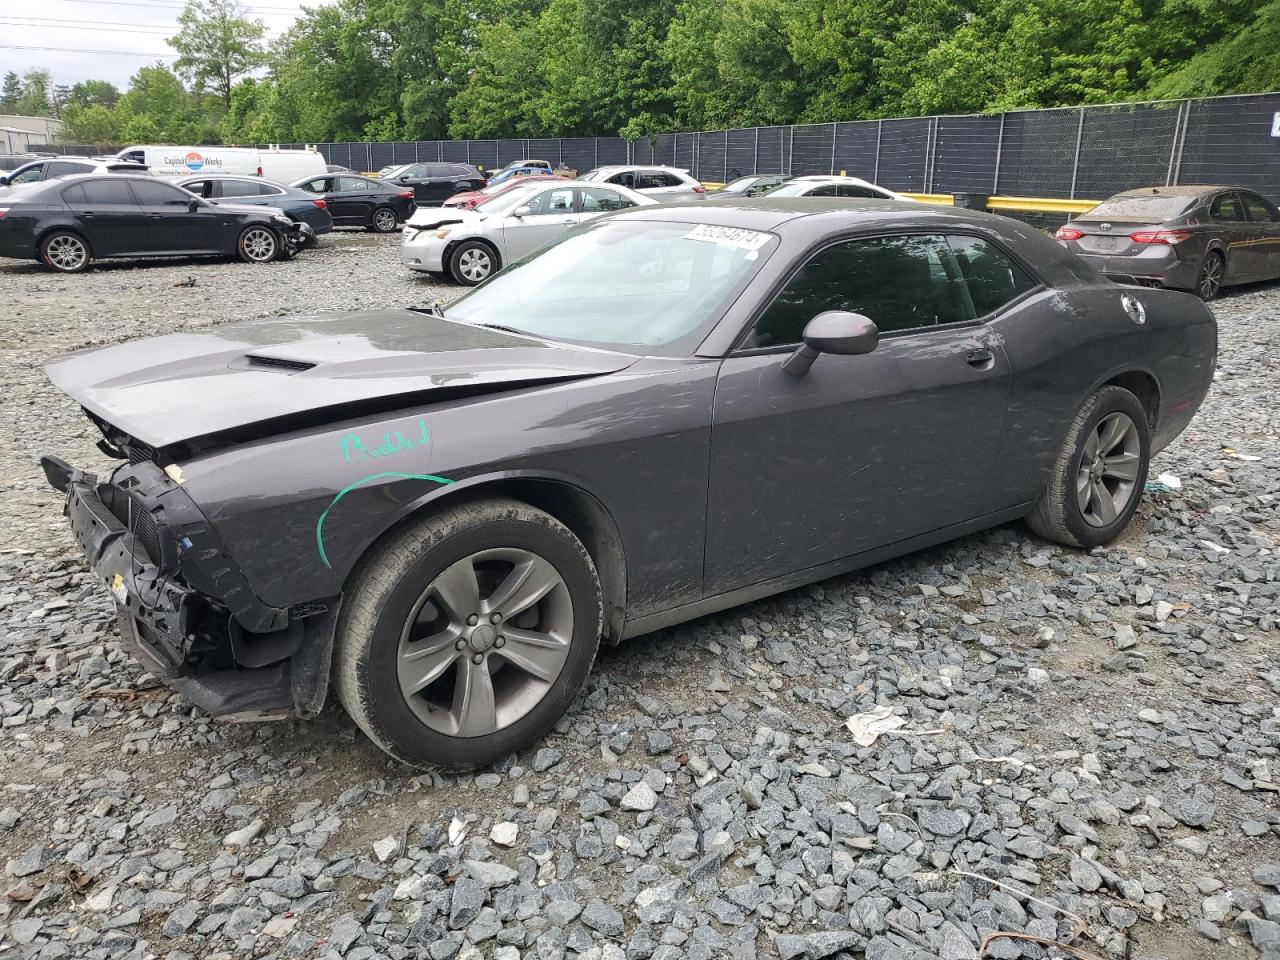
(699, 189)
(1159, 236)
(259, 171)
(320, 203)
(1068, 233)
(405, 195)
(3, 211)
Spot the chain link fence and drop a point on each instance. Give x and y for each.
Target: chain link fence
(1069, 152)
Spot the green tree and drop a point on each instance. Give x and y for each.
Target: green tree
(217, 44)
(89, 92)
(1245, 61)
(93, 123)
(36, 98)
(10, 92)
(501, 97)
(156, 96)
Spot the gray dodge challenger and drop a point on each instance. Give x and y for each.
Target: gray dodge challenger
(670, 411)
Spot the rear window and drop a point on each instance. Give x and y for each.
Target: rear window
(1153, 208)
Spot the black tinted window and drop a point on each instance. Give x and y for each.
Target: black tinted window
(199, 187)
(900, 283)
(852, 190)
(152, 193)
(244, 188)
(107, 191)
(828, 190)
(63, 168)
(1259, 210)
(1227, 206)
(319, 185)
(992, 278)
(353, 185)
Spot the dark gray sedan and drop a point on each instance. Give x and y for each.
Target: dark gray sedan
(670, 411)
(1189, 238)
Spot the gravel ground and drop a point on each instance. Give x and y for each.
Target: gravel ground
(1086, 749)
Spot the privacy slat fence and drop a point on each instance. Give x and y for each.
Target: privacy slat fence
(1068, 152)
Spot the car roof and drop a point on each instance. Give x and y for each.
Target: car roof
(1182, 190)
(617, 167)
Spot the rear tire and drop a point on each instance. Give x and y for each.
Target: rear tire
(412, 616)
(65, 251)
(384, 220)
(1096, 482)
(1212, 272)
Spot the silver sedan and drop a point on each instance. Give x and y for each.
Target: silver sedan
(471, 245)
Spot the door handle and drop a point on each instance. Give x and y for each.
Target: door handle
(155, 216)
(981, 359)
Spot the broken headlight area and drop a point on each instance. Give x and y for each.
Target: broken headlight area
(184, 604)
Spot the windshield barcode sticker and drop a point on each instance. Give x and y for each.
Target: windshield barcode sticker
(728, 236)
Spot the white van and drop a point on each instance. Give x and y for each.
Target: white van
(282, 166)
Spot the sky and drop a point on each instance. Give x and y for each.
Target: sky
(134, 30)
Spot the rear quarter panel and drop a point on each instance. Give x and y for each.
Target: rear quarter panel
(1079, 337)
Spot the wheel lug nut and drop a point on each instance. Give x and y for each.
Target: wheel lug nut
(495, 618)
(477, 658)
(460, 645)
(472, 620)
(500, 642)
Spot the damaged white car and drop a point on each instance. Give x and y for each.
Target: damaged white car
(471, 245)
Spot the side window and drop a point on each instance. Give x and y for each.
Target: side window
(317, 185)
(151, 193)
(1227, 207)
(552, 201)
(64, 168)
(1259, 210)
(107, 191)
(242, 188)
(900, 283)
(136, 156)
(827, 190)
(74, 196)
(627, 179)
(597, 199)
(851, 190)
(352, 185)
(30, 174)
(199, 187)
(991, 277)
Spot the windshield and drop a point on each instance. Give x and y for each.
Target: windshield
(508, 200)
(1147, 208)
(622, 282)
(596, 174)
(741, 184)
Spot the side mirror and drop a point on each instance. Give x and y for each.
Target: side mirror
(403, 178)
(834, 331)
(193, 205)
(4, 181)
(522, 212)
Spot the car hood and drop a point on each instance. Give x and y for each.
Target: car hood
(254, 208)
(425, 218)
(282, 373)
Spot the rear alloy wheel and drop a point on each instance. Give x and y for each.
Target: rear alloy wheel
(465, 636)
(1096, 482)
(1210, 282)
(259, 245)
(472, 262)
(65, 252)
(384, 220)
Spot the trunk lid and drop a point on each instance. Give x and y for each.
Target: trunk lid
(315, 368)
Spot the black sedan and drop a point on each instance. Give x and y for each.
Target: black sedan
(298, 205)
(68, 223)
(1188, 238)
(434, 183)
(355, 201)
(670, 411)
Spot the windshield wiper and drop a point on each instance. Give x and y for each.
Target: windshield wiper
(498, 326)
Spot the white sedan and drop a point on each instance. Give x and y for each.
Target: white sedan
(830, 186)
(471, 245)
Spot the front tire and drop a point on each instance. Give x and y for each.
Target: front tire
(1096, 482)
(466, 635)
(1212, 271)
(65, 252)
(472, 262)
(384, 220)
(259, 244)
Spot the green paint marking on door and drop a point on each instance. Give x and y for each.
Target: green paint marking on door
(324, 557)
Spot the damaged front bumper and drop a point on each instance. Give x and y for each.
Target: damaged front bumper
(184, 606)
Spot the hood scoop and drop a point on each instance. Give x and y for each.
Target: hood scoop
(253, 360)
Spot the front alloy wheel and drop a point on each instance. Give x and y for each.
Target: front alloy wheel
(259, 245)
(466, 634)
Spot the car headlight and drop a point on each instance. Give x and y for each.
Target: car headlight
(282, 219)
